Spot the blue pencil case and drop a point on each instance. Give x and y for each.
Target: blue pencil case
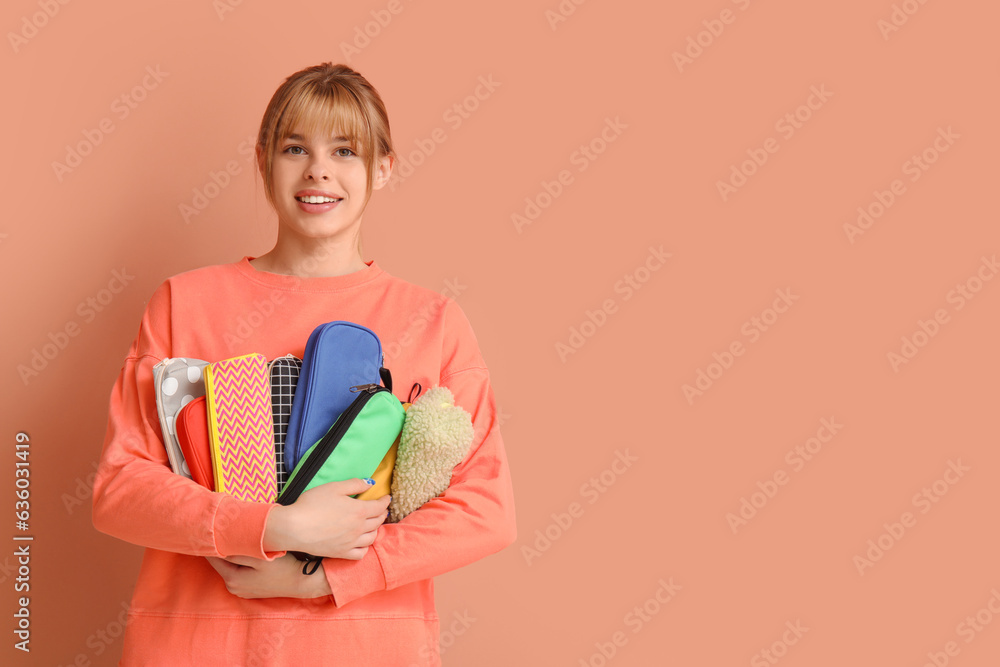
(338, 355)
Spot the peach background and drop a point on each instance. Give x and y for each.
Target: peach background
(665, 516)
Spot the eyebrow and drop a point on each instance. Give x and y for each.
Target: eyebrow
(299, 137)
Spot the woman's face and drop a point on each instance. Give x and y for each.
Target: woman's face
(319, 185)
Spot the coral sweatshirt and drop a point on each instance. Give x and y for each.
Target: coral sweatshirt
(381, 612)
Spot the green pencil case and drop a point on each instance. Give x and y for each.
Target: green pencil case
(354, 446)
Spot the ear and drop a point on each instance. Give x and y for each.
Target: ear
(383, 172)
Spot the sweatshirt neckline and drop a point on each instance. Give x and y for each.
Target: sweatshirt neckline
(319, 284)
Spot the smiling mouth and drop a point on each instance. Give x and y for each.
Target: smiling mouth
(314, 199)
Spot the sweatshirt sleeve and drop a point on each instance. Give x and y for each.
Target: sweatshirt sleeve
(137, 497)
(473, 518)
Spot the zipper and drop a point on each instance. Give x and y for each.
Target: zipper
(270, 364)
(329, 442)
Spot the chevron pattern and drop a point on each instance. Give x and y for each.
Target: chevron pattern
(242, 428)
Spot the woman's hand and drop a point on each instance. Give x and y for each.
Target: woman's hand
(327, 521)
(282, 577)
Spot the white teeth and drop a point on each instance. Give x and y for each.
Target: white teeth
(314, 199)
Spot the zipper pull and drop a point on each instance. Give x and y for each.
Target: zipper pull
(370, 388)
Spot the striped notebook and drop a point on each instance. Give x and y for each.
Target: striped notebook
(241, 428)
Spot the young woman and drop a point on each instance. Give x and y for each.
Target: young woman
(217, 586)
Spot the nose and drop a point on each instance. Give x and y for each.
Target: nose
(317, 169)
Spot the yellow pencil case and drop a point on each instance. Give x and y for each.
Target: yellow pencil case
(383, 474)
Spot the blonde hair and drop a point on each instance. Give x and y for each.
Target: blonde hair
(326, 98)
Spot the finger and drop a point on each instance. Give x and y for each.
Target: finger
(371, 524)
(245, 561)
(366, 539)
(226, 570)
(348, 487)
(217, 563)
(352, 487)
(220, 562)
(356, 554)
(376, 507)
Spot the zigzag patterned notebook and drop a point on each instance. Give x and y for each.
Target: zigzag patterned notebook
(241, 426)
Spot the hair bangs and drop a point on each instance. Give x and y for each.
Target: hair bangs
(327, 111)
